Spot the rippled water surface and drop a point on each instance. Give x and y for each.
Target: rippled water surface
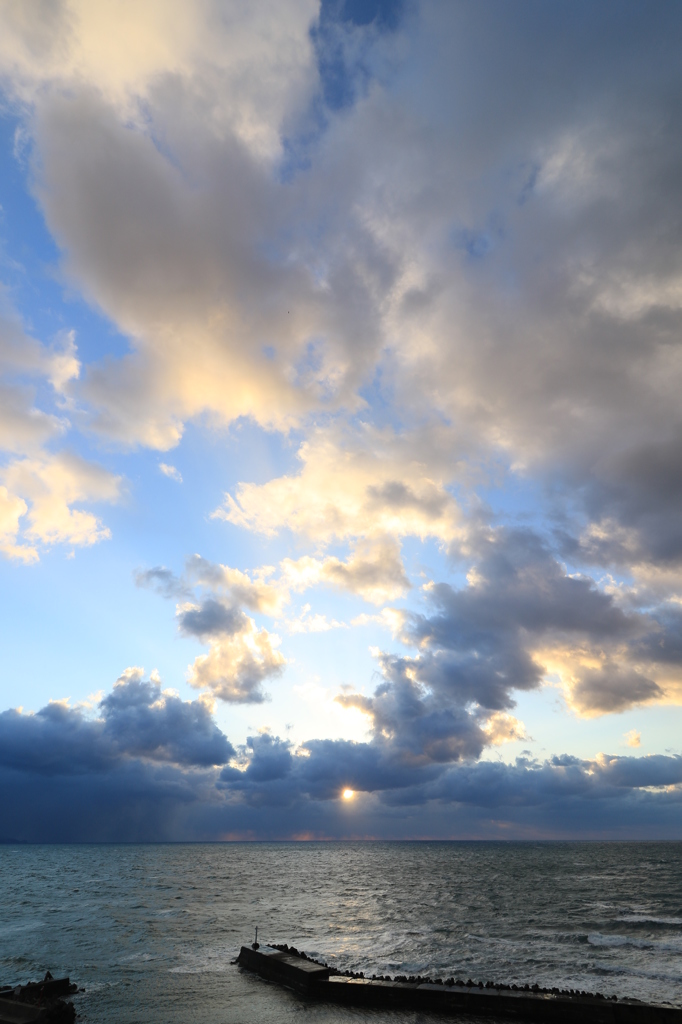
(150, 931)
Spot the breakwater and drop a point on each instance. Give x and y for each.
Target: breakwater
(308, 977)
(40, 1002)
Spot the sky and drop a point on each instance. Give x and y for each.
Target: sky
(340, 419)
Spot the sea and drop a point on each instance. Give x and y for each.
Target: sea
(150, 932)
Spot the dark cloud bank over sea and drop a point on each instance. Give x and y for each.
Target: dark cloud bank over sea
(145, 765)
(151, 767)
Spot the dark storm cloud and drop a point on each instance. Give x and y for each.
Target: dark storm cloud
(130, 776)
(415, 726)
(563, 794)
(589, 792)
(519, 585)
(267, 781)
(145, 802)
(133, 801)
(56, 740)
(270, 758)
(492, 784)
(334, 765)
(137, 721)
(477, 646)
(152, 756)
(319, 771)
(142, 722)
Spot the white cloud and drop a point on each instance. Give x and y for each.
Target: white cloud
(51, 485)
(167, 239)
(63, 363)
(312, 623)
(374, 571)
(370, 488)
(373, 484)
(41, 486)
(502, 727)
(255, 593)
(23, 427)
(12, 509)
(253, 62)
(171, 472)
(236, 666)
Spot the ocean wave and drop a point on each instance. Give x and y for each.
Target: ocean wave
(613, 941)
(21, 926)
(644, 919)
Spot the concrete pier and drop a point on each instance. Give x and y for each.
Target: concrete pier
(318, 981)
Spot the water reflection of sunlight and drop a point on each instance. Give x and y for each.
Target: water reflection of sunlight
(348, 794)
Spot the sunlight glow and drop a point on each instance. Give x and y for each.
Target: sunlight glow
(348, 794)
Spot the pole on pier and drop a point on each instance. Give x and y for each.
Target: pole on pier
(255, 943)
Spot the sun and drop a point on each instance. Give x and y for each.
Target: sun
(348, 794)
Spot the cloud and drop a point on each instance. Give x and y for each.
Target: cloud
(23, 427)
(370, 488)
(520, 620)
(539, 368)
(607, 791)
(459, 272)
(266, 779)
(241, 656)
(171, 472)
(389, 241)
(12, 509)
(259, 61)
(63, 363)
(374, 571)
(312, 623)
(163, 580)
(144, 722)
(371, 484)
(487, 640)
(137, 720)
(40, 486)
(611, 688)
(301, 281)
(151, 236)
(227, 584)
(211, 618)
(153, 766)
(239, 587)
(633, 738)
(414, 727)
(52, 484)
(504, 728)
